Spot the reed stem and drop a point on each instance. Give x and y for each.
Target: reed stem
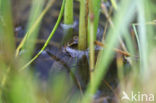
(82, 26)
(68, 12)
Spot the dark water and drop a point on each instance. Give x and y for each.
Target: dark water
(58, 58)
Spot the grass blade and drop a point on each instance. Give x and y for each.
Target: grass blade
(35, 25)
(120, 23)
(142, 38)
(49, 38)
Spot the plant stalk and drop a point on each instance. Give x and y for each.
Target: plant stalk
(82, 45)
(68, 12)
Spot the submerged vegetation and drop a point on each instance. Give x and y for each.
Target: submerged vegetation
(125, 47)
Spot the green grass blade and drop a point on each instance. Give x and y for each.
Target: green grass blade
(114, 4)
(96, 11)
(7, 43)
(82, 45)
(34, 26)
(94, 8)
(142, 38)
(68, 12)
(49, 38)
(36, 10)
(121, 21)
(6, 29)
(22, 89)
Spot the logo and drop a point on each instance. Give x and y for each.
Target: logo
(137, 96)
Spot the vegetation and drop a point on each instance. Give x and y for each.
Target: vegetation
(129, 37)
(83, 25)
